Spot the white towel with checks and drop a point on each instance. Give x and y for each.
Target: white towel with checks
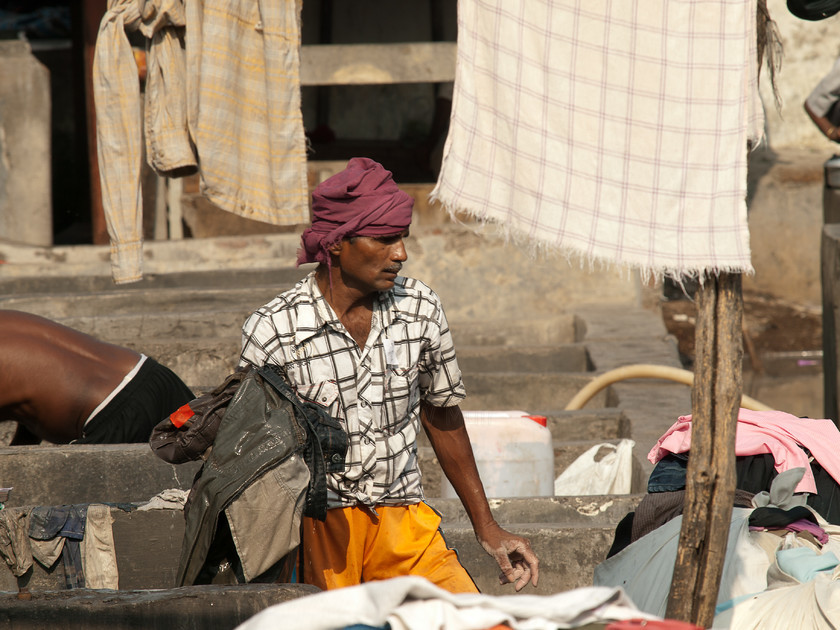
(611, 130)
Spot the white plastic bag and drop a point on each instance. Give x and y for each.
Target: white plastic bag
(595, 472)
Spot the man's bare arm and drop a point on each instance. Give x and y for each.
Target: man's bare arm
(451, 443)
(823, 124)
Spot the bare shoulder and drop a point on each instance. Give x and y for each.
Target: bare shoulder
(21, 324)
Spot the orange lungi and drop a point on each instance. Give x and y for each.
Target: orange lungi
(354, 545)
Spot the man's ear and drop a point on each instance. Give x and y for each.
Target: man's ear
(335, 249)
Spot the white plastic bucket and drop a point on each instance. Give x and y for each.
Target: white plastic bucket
(513, 452)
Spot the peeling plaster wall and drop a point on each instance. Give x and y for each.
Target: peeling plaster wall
(25, 200)
(810, 49)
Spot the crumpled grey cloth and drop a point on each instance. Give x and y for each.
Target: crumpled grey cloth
(14, 539)
(781, 493)
(170, 499)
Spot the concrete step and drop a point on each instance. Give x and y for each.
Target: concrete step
(125, 473)
(523, 359)
(185, 608)
(588, 511)
(64, 286)
(28, 268)
(571, 535)
(607, 423)
(568, 555)
(514, 390)
(88, 473)
(74, 309)
(72, 300)
(200, 328)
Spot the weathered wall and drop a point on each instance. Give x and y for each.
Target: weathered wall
(786, 220)
(810, 49)
(483, 277)
(25, 200)
(786, 172)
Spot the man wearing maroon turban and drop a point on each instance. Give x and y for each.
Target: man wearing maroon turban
(373, 348)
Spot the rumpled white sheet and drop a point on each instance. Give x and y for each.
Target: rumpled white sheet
(414, 603)
(814, 605)
(169, 499)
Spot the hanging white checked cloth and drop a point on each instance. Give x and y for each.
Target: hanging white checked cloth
(614, 130)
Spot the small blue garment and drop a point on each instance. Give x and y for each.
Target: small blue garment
(669, 473)
(804, 563)
(47, 522)
(68, 521)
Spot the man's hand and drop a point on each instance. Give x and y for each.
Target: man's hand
(513, 554)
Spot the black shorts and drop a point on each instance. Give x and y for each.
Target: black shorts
(153, 394)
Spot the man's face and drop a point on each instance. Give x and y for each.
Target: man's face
(372, 263)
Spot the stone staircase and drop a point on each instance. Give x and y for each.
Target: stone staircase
(190, 321)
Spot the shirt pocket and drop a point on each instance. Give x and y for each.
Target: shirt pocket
(323, 394)
(402, 394)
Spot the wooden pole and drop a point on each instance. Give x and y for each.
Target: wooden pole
(710, 478)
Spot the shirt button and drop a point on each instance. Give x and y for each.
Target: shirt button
(336, 458)
(323, 399)
(364, 404)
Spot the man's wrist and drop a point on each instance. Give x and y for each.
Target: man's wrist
(485, 526)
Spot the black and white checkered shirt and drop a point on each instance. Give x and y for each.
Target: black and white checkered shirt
(376, 391)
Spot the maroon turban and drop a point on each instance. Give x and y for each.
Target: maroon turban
(361, 200)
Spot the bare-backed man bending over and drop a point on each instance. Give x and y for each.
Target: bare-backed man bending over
(62, 385)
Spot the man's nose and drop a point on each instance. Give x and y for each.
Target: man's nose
(398, 252)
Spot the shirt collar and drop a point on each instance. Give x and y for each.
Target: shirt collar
(317, 313)
(320, 313)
